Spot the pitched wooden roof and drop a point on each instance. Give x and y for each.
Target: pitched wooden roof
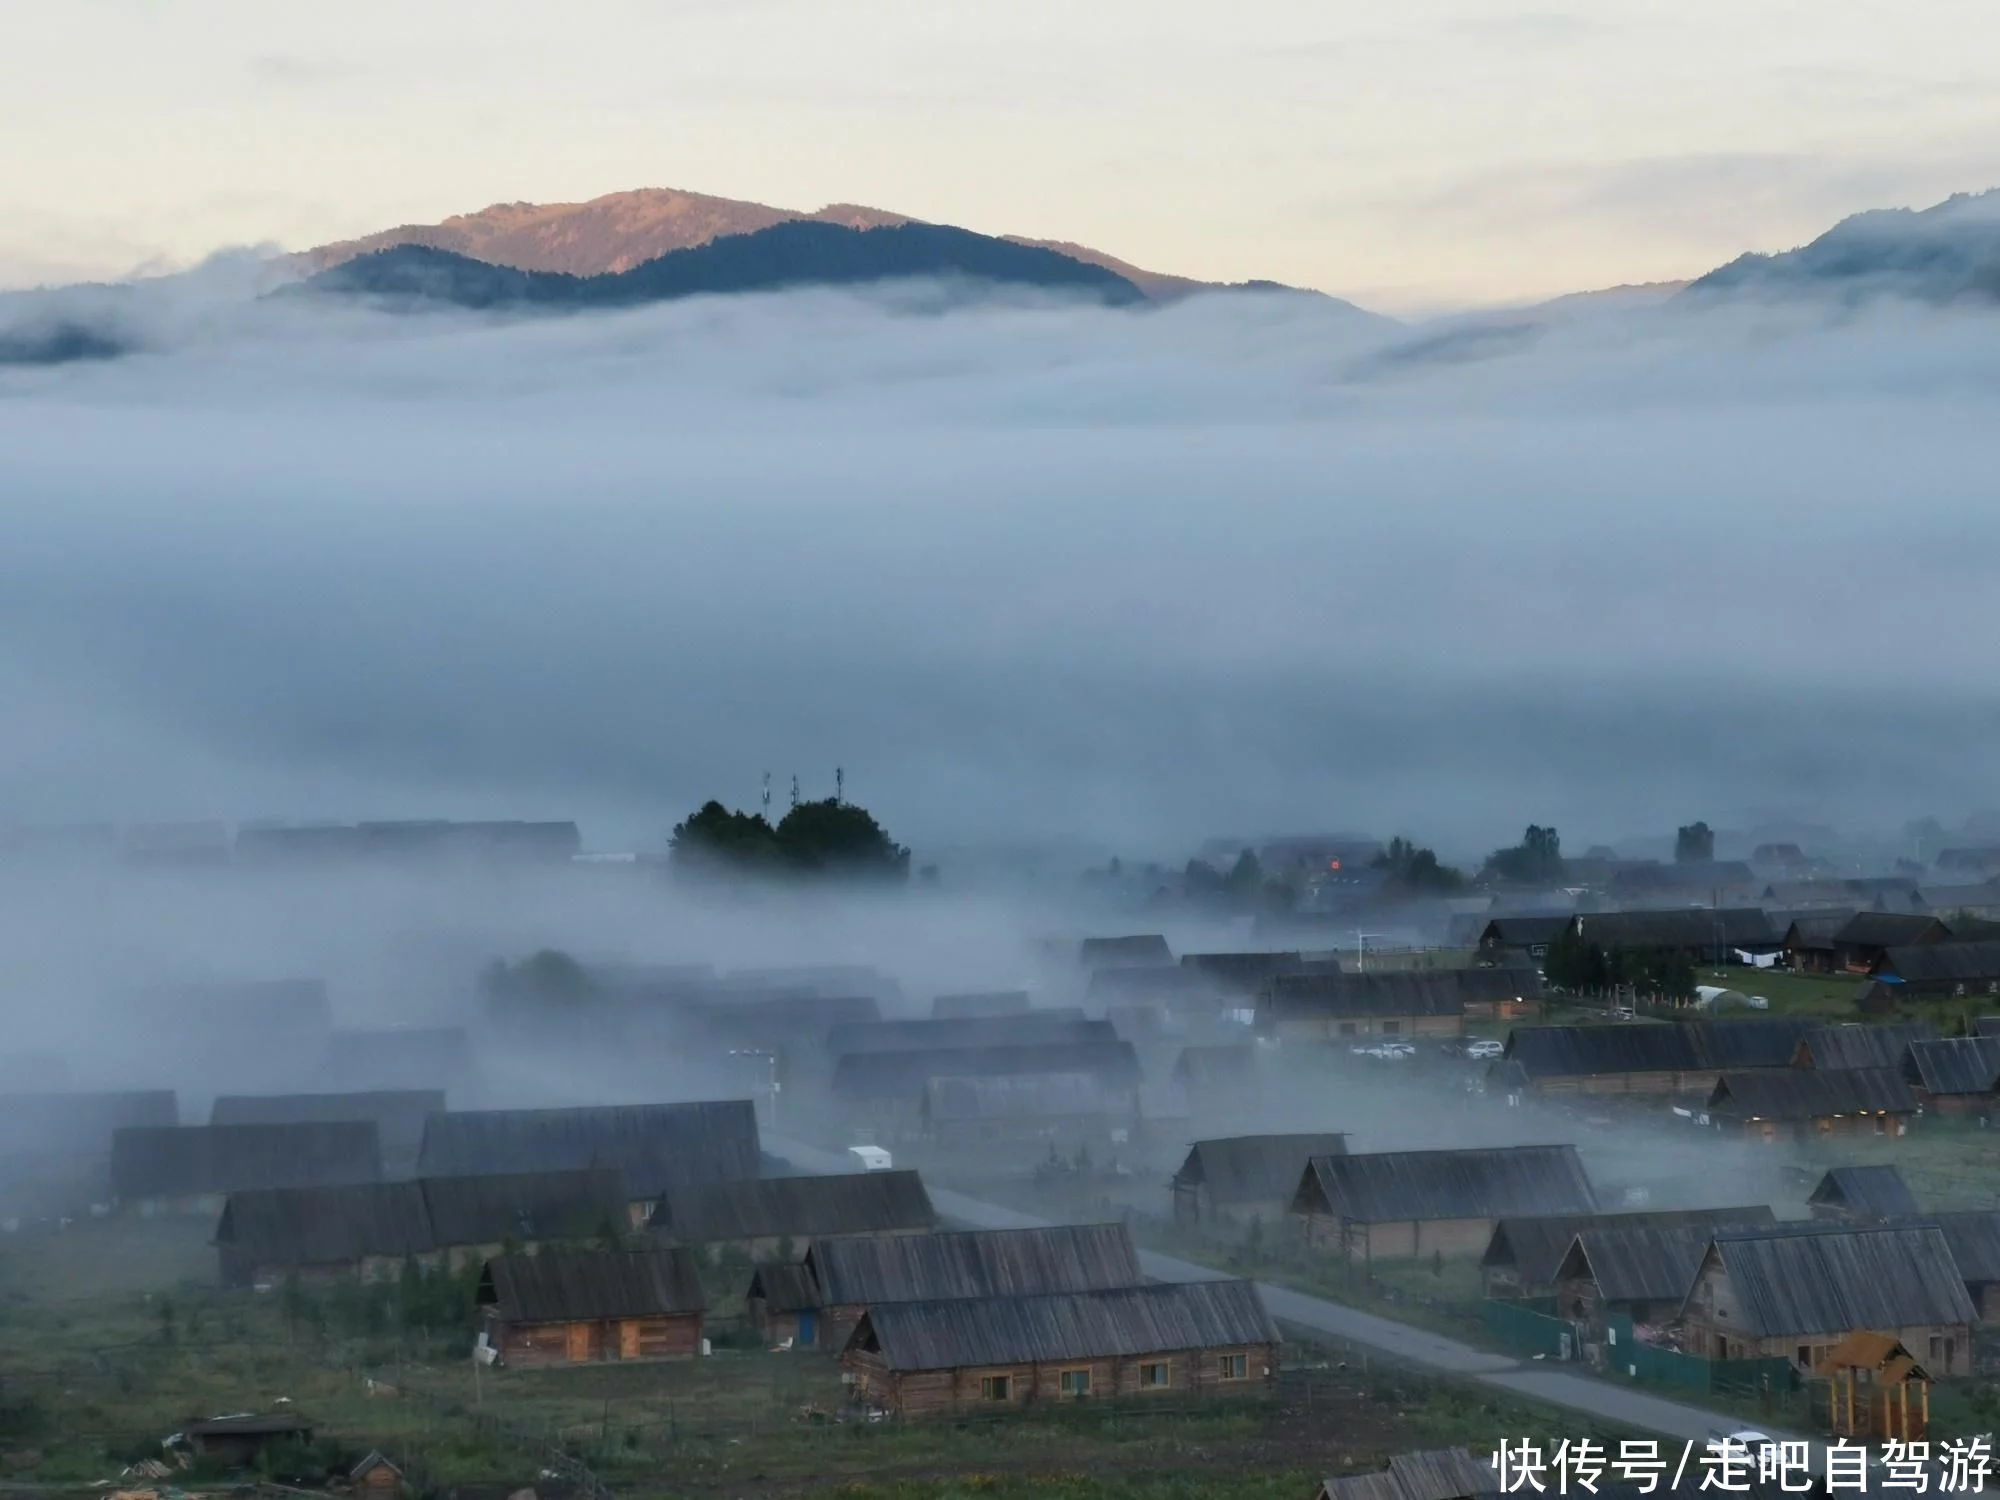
(902, 1075)
(1840, 1280)
(398, 1114)
(1890, 929)
(1116, 952)
(1656, 1264)
(1856, 1044)
(488, 1208)
(183, 1161)
(1025, 1096)
(652, 1146)
(1534, 1245)
(1955, 1065)
(973, 1263)
(784, 1286)
(1878, 1189)
(574, 1286)
(1386, 1187)
(989, 1331)
(1421, 992)
(801, 1207)
(1680, 927)
(976, 1003)
(1811, 1094)
(1941, 963)
(1254, 1168)
(1437, 1474)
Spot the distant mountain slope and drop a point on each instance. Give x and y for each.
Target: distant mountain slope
(1938, 254)
(622, 230)
(795, 253)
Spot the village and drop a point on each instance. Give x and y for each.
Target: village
(1286, 1217)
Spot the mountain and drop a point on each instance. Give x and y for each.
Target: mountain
(622, 230)
(1945, 253)
(796, 252)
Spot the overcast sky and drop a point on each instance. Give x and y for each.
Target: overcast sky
(1407, 153)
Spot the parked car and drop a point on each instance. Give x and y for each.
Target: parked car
(1484, 1048)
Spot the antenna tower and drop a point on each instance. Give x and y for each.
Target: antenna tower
(795, 791)
(839, 785)
(767, 794)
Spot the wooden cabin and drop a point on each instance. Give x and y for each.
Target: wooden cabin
(1763, 1294)
(1325, 1006)
(651, 1147)
(398, 1115)
(1850, 1194)
(888, 1088)
(1212, 1338)
(1525, 1255)
(375, 1478)
(1402, 1205)
(850, 1275)
(238, 1440)
(1848, 1045)
(783, 1305)
(1062, 1108)
(1437, 1474)
(368, 1230)
(1957, 1075)
(1246, 1176)
(1860, 943)
(568, 1307)
(1953, 970)
(1683, 1057)
(192, 1169)
(1139, 950)
(1877, 1392)
(1808, 941)
(1803, 1103)
(759, 1215)
(1973, 1237)
(1704, 934)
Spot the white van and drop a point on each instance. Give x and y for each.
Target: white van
(869, 1159)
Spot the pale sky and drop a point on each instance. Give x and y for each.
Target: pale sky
(1411, 154)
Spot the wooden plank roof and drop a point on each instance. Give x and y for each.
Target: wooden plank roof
(1025, 1096)
(973, 1263)
(652, 1146)
(184, 1161)
(398, 1114)
(1119, 952)
(468, 1210)
(1387, 1187)
(1658, 1047)
(1954, 1064)
(1436, 1474)
(1877, 1189)
(784, 1286)
(1254, 1168)
(574, 1286)
(1890, 929)
(1417, 992)
(1811, 1094)
(991, 1331)
(1840, 1280)
(972, 1003)
(1640, 1264)
(1534, 1245)
(1680, 927)
(902, 1075)
(1856, 1044)
(800, 1207)
(1941, 963)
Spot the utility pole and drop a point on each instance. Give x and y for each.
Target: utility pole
(767, 796)
(795, 790)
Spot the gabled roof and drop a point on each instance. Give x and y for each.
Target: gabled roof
(1118, 952)
(784, 1286)
(327, 1226)
(980, 1003)
(1700, 927)
(185, 1161)
(1386, 1187)
(1656, 1264)
(1811, 1094)
(1890, 929)
(1974, 1239)
(1813, 932)
(1437, 1474)
(1025, 1029)
(1949, 963)
(1841, 1280)
(1254, 1168)
(1582, 1051)
(1736, 1042)
(490, 1209)
(1244, 972)
(1525, 931)
(1535, 1245)
(652, 1146)
(398, 1114)
(1876, 1190)
(973, 1263)
(575, 1286)
(1955, 1064)
(902, 1075)
(1025, 1096)
(990, 1331)
(1422, 992)
(78, 1123)
(799, 1207)
(1855, 1044)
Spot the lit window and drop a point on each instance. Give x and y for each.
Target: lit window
(995, 1387)
(1235, 1366)
(1075, 1383)
(1153, 1375)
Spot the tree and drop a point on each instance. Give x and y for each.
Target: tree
(1536, 860)
(715, 836)
(839, 837)
(1694, 844)
(1416, 872)
(1246, 876)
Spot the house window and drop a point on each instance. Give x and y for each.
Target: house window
(1390, 1028)
(1235, 1366)
(1805, 1356)
(1153, 1376)
(996, 1387)
(1075, 1383)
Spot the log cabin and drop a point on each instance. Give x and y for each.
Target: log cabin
(1066, 1109)
(1246, 1176)
(1839, 1046)
(398, 1116)
(1862, 1193)
(915, 1359)
(756, 1215)
(1956, 1075)
(782, 1304)
(1684, 1057)
(1942, 969)
(1789, 1104)
(568, 1307)
(192, 1169)
(1787, 1294)
(1321, 1007)
(1524, 1257)
(1860, 943)
(1401, 1205)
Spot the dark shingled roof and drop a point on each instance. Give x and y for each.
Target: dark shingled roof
(784, 1286)
(1811, 1094)
(1955, 1065)
(1876, 1190)
(1698, 927)
(1244, 972)
(1582, 1051)
(1854, 1044)
(1535, 1245)
(78, 1123)
(974, 1263)
(1076, 1325)
(1842, 1280)
(1889, 929)
(185, 1161)
(1656, 1264)
(652, 1146)
(977, 1003)
(801, 1207)
(1437, 1474)
(1119, 952)
(490, 1208)
(577, 1286)
(902, 1075)
(1530, 931)
(1813, 932)
(1027, 1029)
(1386, 1187)
(1254, 1168)
(1942, 963)
(1974, 1239)
(398, 1114)
(1025, 1096)
(1436, 992)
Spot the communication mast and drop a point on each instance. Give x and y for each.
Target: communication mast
(839, 785)
(795, 790)
(767, 796)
